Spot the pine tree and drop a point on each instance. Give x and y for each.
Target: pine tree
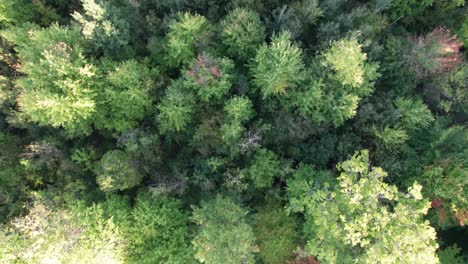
(176, 109)
(187, 37)
(58, 87)
(223, 235)
(278, 67)
(242, 32)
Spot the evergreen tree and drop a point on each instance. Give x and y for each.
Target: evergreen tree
(58, 87)
(210, 77)
(187, 37)
(242, 32)
(124, 97)
(278, 67)
(115, 172)
(104, 27)
(223, 235)
(175, 109)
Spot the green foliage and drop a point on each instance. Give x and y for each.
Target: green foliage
(463, 31)
(335, 87)
(239, 109)
(175, 109)
(124, 97)
(118, 118)
(84, 157)
(278, 67)
(58, 88)
(346, 60)
(389, 138)
(414, 113)
(223, 235)
(361, 218)
(144, 149)
(47, 232)
(187, 37)
(445, 179)
(242, 32)
(450, 255)
(276, 234)
(12, 182)
(101, 24)
(210, 77)
(158, 232)
(115, 172)
(21, 11)
(154, 231)
(401, 8)
(264, 167)
(448, 93)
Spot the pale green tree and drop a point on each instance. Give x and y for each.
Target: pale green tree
(278, 67)
(106, 30)
(359, 218)
(58, 86)
(124, 97)
(187, 37)
(176, 108)
(237, 111)
(337, 81)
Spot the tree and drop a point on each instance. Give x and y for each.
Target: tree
(414, 113)
(277, 67)
(237, 111)
(264, 167)
(401, 8)
(74, 234)
(187, 37)
(242, 32)
(12, 180)
(125, 98)
(359, 218)
(210, 77)
(114, 172)
(223, 235)
(58, 89)
(447, 92)
(104, 27)
(389, 139)
(21, 11)
(276, 234)
(337, 81)
(346, 61)
(159, 231)
(450, 255)
(175, 109)
(445, 177)
(433, 54)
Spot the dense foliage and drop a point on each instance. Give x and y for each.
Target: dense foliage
(233, 131)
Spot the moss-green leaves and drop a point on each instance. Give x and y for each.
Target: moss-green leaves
(114, 172)
(277, 67)
(242, 32)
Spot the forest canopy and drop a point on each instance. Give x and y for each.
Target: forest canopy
(233, 131)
